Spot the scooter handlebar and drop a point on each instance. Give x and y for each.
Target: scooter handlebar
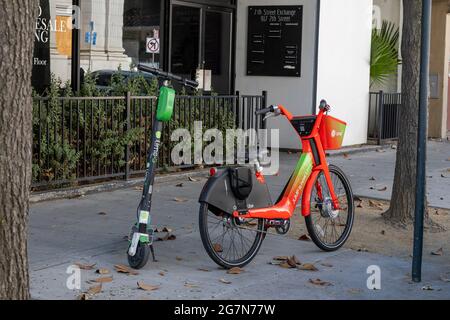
(167, 75)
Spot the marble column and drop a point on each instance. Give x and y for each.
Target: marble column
(108, 53)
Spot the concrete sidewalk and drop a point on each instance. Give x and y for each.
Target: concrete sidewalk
(64, 232)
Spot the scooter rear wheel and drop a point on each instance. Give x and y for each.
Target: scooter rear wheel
(140, 259)
(228, 241)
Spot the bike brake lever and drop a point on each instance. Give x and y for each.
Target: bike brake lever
(269, 115)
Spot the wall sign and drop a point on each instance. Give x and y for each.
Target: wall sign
(40, 78)
(274, 41)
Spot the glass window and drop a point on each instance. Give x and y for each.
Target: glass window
(141, 21)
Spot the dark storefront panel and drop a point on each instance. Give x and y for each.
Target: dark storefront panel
(194, 34)
(140, 20)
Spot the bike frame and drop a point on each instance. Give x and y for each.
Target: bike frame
(312, 162)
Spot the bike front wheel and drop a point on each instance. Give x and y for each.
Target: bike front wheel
(329, 229)
(230, 242)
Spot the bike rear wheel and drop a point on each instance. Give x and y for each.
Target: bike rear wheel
(329, 229)
(230, 242)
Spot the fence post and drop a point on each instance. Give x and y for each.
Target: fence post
(126, 129)
(238, 109)
(380, 115)
(263, 123)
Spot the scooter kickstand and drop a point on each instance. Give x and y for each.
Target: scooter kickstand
(152, 250)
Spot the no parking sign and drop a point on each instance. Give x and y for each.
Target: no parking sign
(152, 45)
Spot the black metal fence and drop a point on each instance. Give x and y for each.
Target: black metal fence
(384, 111)
(85, 139)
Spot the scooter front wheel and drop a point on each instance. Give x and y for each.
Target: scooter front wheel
(140, 259)
(230, 242)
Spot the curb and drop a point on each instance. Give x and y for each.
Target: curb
(356, 150)
(70, 193)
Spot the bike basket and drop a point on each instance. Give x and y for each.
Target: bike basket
(304, 125)
(332, 132)
(241, 182)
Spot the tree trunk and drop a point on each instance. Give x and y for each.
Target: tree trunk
(17, 22)
(403, 194)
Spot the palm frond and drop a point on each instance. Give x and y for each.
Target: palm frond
(384, 58)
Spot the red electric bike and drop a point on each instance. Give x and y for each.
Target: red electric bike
(236, 210)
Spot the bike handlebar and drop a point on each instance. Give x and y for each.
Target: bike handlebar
(324, 105)
(168, 76)
(265, 110)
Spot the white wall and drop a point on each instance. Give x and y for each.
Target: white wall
(296, 94)
(344, 63)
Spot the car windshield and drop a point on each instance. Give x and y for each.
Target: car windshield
(104, 79)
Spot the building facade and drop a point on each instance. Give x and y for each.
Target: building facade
(300, 51)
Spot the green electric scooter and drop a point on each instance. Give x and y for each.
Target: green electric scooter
(141, 240)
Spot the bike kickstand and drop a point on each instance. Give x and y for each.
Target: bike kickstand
(152, 249)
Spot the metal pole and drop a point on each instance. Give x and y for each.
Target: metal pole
(421, 143)
(75, 74)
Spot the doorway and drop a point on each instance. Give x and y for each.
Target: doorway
(201, 37)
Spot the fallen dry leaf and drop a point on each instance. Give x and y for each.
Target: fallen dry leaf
(225, 281)
(179, 258)
(438, 252)
(319, 282)
(180, 200)
(102, 271)
(304, 237)
(190, 285)
(285, 265)
(124, 269)
(83, 296)
(162, 274)
(91, 291)
(94, 289)
(328, 265)
(372, 179)
(203, 269)
(85, 266)
(180, 185)
(428, 288)
(166, 229)
(384, 188)
(307, 267)
(235, 270)
(293, 261)
(375, 204)
(102, 213)
(147, 287)
(354, 290)
(167, 237)
(103, 280)
(281, 258)
(192, 179)
(217, 247)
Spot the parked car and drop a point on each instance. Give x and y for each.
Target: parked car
(104, 77)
